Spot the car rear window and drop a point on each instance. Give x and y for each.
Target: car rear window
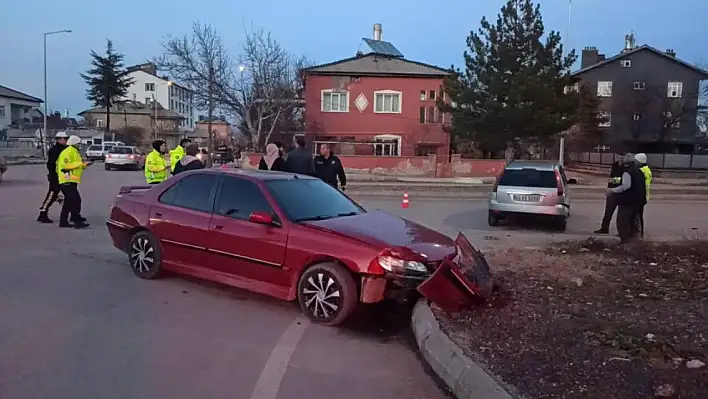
(95, 148)
(121, 150)
(528, 178)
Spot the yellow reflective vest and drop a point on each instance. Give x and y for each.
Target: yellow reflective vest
(175, 156)
(155, 168)
(647, 179)
(70, 166)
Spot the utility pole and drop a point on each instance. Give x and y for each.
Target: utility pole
(210, 116)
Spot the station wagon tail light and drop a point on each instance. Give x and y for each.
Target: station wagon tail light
(131, 156)
(108, 155)
(559, 182)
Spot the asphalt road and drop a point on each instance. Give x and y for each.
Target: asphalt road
(75, 323)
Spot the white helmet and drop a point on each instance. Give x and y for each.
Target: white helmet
(61, 135)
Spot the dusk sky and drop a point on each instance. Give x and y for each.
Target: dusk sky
(324, 31)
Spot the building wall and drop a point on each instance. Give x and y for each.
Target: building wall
(173, 97)
(221, 130)
(119, 121)
(656, 71)
(12, 109)
(365, 125)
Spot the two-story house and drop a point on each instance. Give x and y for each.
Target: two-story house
(648, 98)
(17, 108)
(148, 86)
(376, 103)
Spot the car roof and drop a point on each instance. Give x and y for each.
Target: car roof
(538, 165)
(255, 174)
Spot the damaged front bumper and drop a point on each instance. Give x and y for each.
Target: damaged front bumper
(452, 285)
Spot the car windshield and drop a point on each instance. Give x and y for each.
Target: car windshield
(121, 150)
(528, 178)
(311, 199)
(95, 148)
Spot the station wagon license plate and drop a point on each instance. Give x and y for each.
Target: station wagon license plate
(527, 198)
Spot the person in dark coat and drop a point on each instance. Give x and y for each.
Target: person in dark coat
(52, 178)
(610, 201)
(189, 161)
(631, 196)
(300, 159)
(272, 159)
(329, 168)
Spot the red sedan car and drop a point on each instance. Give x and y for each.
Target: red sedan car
(289, 236)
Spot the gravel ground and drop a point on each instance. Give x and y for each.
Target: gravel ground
(594, 320)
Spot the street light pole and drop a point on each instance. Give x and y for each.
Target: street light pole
(43, 132)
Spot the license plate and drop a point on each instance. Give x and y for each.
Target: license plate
(527, 198)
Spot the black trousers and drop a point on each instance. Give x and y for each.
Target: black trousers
(629, 222)
(72, 203)
(640, 221)
(610, 206)
(52, 194)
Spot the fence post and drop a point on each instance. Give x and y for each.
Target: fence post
(690, 162)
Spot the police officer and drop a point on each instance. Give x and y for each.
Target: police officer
(641, 159)
(52, 177)
(178, 153)
(328, 167)
(156, 167)
(69, 168)
(630, 196)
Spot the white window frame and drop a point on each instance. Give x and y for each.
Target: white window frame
(2, 111)
(639, 85)
(331, 93)
(674, 90)
(384, 93)
(150, 87)
(626, 63)
(607, 115)
(604, 88)
(99, 122)
(575, 87)
(398, 139)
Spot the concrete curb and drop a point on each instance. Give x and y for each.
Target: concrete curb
(465, 378)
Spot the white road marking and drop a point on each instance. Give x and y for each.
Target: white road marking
(271, 377)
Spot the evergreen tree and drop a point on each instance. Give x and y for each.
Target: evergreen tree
(107, 80)
(515, 83)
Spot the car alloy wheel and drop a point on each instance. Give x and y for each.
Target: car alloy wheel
(327, 293)
(145, 257)
(322, 296)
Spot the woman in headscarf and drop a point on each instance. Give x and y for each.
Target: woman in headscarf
(272, 159)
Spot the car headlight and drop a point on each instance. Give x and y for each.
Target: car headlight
(392, 264)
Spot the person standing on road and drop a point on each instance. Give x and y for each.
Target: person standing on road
(329, 168)
(299, 159)
(69, 168)
(610, 200)
(631, 197)
(178, 153)
(189, 161)
(155, 165)
(52, 177)
(641, 159)
(272, 159)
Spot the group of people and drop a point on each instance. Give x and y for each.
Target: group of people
(325, 166)
(628, 192)
(181, 159)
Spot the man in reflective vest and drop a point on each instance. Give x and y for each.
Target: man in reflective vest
(69, 168)
(178, 153)
(641, 159)
(155, 165)
(52, 177)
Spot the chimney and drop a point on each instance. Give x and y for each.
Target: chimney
(671, 53)
(378, 32)
(590, 56)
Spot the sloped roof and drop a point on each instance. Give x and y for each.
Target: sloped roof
(18, 95)
(638, 49)
(135, 108)
(377, 65)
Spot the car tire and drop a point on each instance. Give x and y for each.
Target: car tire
(561, 223)
(327, 293)
(106, 167)
(145, 256)
(492, 219)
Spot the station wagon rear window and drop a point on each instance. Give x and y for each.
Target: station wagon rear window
(95, 148)
(121, 150)
(528, 178)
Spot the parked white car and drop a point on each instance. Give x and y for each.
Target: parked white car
(98, 152)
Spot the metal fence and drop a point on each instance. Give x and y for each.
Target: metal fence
(658, 161)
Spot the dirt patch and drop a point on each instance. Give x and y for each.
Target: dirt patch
(594, 320)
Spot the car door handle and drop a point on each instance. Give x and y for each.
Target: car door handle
(158, 215)
(218, 227)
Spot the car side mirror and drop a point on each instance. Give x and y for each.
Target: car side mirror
(260, 217)
(572, 181)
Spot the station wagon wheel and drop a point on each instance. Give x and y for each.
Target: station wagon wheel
(327, 293)
(492, 219)
(145, 256)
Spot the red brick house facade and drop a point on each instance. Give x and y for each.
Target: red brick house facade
(376, 104)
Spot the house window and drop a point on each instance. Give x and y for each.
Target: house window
(637, 116)
(147, 100)
(99, 122)
(674, 90)
(431, 95)
(625, 63)
(149, 86)
(604, 89)
(387, 145)
(2, 111)
(387, 102)
(640, 85)
(575, 87)
(335, 101)
(422, 95)
(422, 114)
(606, 119)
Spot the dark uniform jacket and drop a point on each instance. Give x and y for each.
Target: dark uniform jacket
(637, 193)
(329, 169)
(52, 157)
(300, 161)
